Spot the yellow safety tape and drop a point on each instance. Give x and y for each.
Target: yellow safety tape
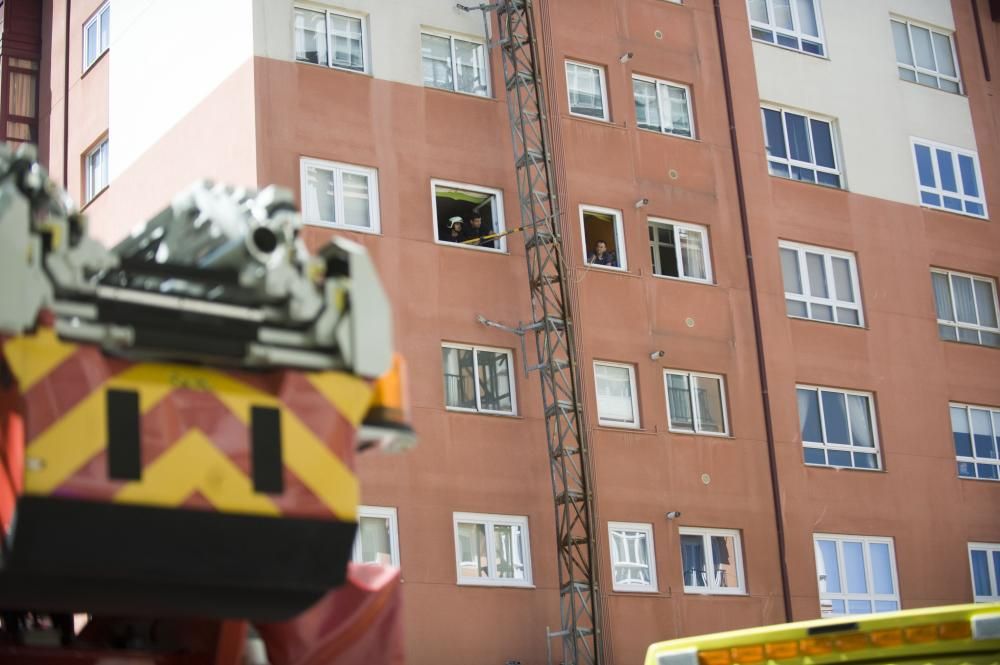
(32, 357)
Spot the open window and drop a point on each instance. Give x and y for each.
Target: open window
(603, 239)
(468, 215)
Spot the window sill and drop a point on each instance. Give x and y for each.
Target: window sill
(806, 182)
(640, 593)
(668, 134)
(687, 280)
(842, 468)
(348, 70)
(611, 270)
(95, 197)
(974, 344)
(829, 323)
(949, 211)
(984, 480)
(474, 412)
(489, 95)
(960, 93)
(614, 427)
(716, 594)
(341, 227)
(458, 245)
(714, 435)
(495, 585)
(792, 50)
(89, 67)
(592, 120)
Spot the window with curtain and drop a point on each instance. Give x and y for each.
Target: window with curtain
(96, 35)
(616, 396)
(587, 90)
(984, 560)
(966, 308)
(838, 428)
(22, 100)
(948, 178)
(821, 284)
(334, 39)
(793, 24)
(632, 556)
(478, 379)
(925, 55)
(341, 196)
(712, 561)
(679, 250)
(975, 431)
(856, 574)
(450, 63)
(663, 106)
(492, 549)
(96, 171)
(800, 147)
(696, 402)
(377, 538)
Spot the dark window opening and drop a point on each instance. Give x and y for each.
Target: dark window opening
(467, 217)
(600, 233)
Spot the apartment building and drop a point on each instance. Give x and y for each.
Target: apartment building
(866, 173)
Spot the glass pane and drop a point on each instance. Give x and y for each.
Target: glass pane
(494, 381)
(942, 296)
(942, 51)
(835, 607)
(807, 17)
(985, 303)
(22, 94)
(783, 14)
(843, 286)
(508, 539)
(816, 269)
(105, 28)
(881, 568)
(986, 471)
(471, 60)
(822, 143)
(965, 306)
(854, 567)
(927, 79)
(814, 456)
(809, 415)
(790, 271)
(692, 253)
(924, 167)
(921, 38)
(774, 135)
(850, 316)
(321, 203)
(679, 402)
(970, 183)
(798, 138)
(758, 11)
(357, 211)
(835, 417)
(585, 95)
(981, 573)
(907, 74)
(960, 431)
(436, 58)
(861, 424)
(839, 458)
(982, 434)
(859, 607)
(826, 566)
(902, 43)
(710, 416)
(886, 606)
(946, 170)
(796, 308)
(473, 560)
(865, 460)
(966, 470)
(647, 105)
(630, 557)
(459, 382)
(92, 42)
(680, 121)
(666, 251)
(693, 561)
(310, 36)
(996, 435)
(950, 86)
(614, 394)
(346, 38)
(724, 560)
(375, 543)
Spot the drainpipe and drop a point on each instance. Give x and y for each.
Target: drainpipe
(755, 306)
(66, 101)
(982, 42)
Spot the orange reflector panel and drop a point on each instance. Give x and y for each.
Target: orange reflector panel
(852, 642)
(921, 634)
(886, 638)
(816, 646)
(780, 650)
(750, 654)
(718, 657)
(955, 631)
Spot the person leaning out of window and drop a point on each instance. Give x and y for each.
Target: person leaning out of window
(477, 230)
(602, 256)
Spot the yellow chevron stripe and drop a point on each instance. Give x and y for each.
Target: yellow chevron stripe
(352, 396)
(193, 464)
(32, 357)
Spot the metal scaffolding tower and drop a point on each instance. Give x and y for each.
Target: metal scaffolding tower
(553, 332)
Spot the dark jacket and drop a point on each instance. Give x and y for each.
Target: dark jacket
(469, 233)
(608, 259)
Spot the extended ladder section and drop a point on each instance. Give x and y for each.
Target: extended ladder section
(552, 327)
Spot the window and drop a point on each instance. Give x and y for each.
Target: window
(949, 178)
(821, 284)
(478, 379)
(976, 433)
(633, 562)
(96, 35)
(794, 24)
(800, 147)
(925, 56)
(679, 250)
(856, 574)
(966, 308)
(96, 170)
(616, 396)
(984, 558)
(695, 402)
(22, 101)
(335, 39)
(339, 195)
(652, 95)
(838, 428)
(454, 64)
(468, 215)
(712, 560)
(588, 91)
(603, 240)
(377, 538)
(492, 549)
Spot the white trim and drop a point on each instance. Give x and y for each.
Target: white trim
(619, 237)
(344, 13)
(378, 512)
(475, 363)
(338, 169)
(102, 152)
(845, 447)
(684, 226)
(634, 424)
(869, 595)
(663, 104)
(791, 162)
(833, 301)
(993, 413)
(954, 322)
(605, 103)
(647, 530)
(794, 33)
(102, 39)
(695, 403)
(992, 568)
(937, 190)
(497, 210)
(489, 521)
(713, 588)
(469, 39)
(917, 69)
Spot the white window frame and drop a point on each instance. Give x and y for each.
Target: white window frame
(339, 168)
(955, 323)
(870, 596)
(788, 160)
(917, 69)
(365, 50)
(689, 228)
(102, 152)
(937, 188)
(695, 410)
(498, 218)
(846, 447)
(663, 102)
(491, 520)
(379, 512)
(632, 388)
(994, 412)
(103, 40)
(706, 538)
(646, 529)
(794, 33)
(619, 237)
(476, 348)
(605, 102)
(989, 548)
(451, 37)
(828, 255)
